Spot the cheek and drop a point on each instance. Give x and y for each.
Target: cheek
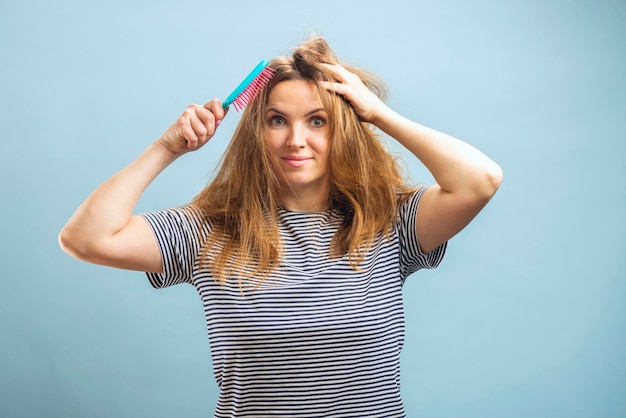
(322, 144)
(274, 142)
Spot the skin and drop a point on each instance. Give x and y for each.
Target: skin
(298, 140)
(466, 179)
(104, 231)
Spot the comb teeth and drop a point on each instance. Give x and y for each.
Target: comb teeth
(250, 92)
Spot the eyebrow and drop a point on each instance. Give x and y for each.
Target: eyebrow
(312, 112)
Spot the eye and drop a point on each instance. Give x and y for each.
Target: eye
(318, 122)
(277, 120)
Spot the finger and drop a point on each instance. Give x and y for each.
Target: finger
(338, 88)
(215, 107)
(202, 123)
(190, 135)
(203, 131)
(182, 125)
(341, 89)
(339, 72)
(190, 128)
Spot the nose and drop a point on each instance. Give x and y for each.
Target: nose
(296, 137)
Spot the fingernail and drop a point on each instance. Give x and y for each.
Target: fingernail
(217, 123)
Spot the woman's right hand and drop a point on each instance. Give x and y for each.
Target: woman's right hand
(103, 229)
(193, 128)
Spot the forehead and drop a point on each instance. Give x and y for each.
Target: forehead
(294, 95)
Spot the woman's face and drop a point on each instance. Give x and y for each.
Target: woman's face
(298, 139)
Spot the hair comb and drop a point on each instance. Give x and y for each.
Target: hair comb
(250, 86)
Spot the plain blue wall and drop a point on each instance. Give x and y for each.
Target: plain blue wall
(525, 318)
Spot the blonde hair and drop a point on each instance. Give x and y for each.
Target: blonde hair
(241, 203)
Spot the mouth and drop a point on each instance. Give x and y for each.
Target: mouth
(296, 161)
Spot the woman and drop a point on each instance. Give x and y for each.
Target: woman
(300, 245)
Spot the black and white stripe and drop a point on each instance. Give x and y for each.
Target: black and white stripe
(317, 339)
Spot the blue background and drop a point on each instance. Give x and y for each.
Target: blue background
(525, 317)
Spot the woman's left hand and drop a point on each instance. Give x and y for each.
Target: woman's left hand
(364, 101)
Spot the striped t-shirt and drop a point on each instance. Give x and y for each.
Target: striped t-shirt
(318, 338)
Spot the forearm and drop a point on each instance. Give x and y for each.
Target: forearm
(456, 166)
(110, 207)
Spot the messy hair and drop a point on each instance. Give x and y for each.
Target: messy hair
(241, 203)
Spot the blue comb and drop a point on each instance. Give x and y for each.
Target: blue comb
(250, 86)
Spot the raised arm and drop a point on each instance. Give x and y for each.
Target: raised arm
(466, 179)
(103, 230)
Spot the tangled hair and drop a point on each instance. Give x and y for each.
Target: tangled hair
(241, 203)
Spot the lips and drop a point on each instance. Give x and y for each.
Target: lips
(296, 161)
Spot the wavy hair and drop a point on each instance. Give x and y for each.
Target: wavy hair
(241, 203)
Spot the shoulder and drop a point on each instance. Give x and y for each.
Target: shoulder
(409, 202)
(186, 213)
(187, 219)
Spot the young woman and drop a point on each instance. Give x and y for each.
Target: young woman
(300, 245)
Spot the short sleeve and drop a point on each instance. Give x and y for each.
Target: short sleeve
(179, 233)
(412, 258)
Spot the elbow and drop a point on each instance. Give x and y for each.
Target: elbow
(66, 242)
(488, 183)
(494, 176)
(71, 243)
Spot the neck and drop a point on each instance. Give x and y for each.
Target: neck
(295, 201)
